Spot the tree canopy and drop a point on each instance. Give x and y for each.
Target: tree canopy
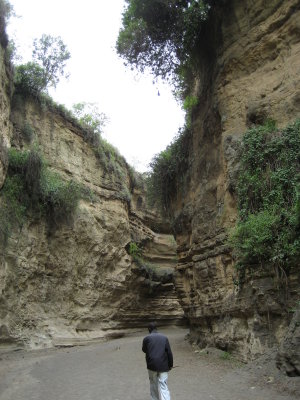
(161, 34)
(51, 54)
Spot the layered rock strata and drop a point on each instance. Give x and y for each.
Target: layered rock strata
(76, 282)
(5, 101)
(249, 63)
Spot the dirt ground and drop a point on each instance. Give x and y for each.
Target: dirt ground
(115, 370)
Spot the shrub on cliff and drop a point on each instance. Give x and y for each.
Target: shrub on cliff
(31, 188)
(59, 198)
(169, 171)
(268, 229)
(89, 117)
(30, 78)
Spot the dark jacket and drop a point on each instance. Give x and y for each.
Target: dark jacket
(158, 352)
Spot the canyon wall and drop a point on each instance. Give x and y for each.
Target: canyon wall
(249, 65)
(5, 100)
(74, 282)
(78, 281)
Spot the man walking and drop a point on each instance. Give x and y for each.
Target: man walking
(159, 361)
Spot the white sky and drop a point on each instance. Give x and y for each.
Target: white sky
(141, 122)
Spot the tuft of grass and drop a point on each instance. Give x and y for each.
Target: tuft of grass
(225, 356)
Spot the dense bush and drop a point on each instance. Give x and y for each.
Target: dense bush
(30, 79)
(269, 197)
(169, 170)
(27, 132)
(32, 189)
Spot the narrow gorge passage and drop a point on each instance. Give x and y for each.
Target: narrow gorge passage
(116, 370)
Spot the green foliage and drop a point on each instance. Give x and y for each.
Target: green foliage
(48, 66)
(89, 116)
(134, 250)
(253, 239)
(31, 188)
(12, 209)
(14, 200)
(161, 34)
(51, 54)
(168, 171)
(91, 122)
(60, 198)
(3, 154)
(27, 132)
(18, 160)
(190, 102)
(30, 78)
(225, 356)
(268, 197)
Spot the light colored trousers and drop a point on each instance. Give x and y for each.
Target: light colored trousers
(159, 385)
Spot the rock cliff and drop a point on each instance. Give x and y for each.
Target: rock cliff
(80, 280)
(5, 100)
(249, 70)
(74, 282)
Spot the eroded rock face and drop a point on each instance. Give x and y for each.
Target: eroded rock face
(288, 357)
(249, 71)
(5, 98)
(75, 282)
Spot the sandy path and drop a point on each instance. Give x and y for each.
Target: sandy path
(116, 370)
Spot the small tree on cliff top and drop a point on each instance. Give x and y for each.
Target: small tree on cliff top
(49, 55)
(89, 116)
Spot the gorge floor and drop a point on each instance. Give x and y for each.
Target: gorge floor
(115, 370)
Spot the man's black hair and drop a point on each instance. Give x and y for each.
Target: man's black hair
(152, 327)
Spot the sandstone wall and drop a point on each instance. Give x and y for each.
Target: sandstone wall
(250, 65)
(5, 98)
(77, 282)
